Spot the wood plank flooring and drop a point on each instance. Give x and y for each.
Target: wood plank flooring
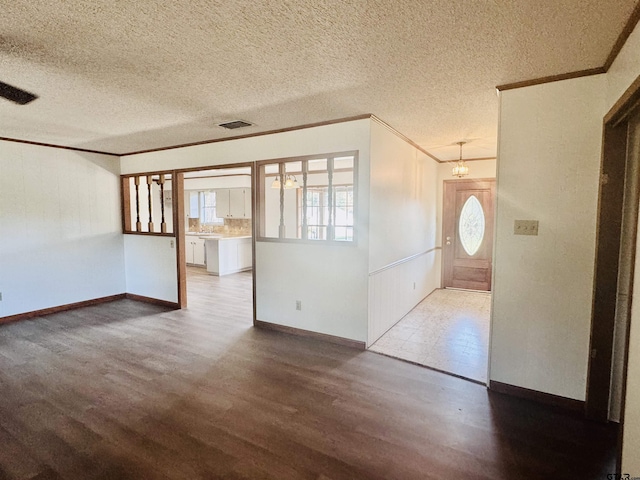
(128, 390)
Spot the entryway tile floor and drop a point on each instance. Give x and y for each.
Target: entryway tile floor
(447, 331)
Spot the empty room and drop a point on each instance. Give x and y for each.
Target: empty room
(215, 217)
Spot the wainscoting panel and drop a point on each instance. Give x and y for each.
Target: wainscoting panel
(396, 288)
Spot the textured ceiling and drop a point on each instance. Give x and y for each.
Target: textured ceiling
(125, 75)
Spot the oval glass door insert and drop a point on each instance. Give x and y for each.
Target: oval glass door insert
(471, 225)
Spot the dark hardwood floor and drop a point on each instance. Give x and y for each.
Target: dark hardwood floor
(128, 390)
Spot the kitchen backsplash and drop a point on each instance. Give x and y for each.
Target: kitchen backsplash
(233, 226)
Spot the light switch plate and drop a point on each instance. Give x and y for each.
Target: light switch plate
(525, 227)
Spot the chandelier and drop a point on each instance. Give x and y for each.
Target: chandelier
(460, 169)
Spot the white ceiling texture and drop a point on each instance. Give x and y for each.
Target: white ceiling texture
(122, 76)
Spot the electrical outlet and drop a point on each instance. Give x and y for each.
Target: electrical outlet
(298, 304)
(525, 227)
(414, 285)
(172, 243)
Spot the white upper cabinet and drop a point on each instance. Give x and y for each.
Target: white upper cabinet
(236, 203)
(222, 203)
(233, 203)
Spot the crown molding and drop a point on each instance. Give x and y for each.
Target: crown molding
(631, 24)
(63, 147)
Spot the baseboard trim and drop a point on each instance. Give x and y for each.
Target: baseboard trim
(564, 403)
(60, 308)
(86, 303)
(154, 301)
(345, 342)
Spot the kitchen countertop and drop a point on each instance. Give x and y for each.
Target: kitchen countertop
(227, 237)
(215, 236)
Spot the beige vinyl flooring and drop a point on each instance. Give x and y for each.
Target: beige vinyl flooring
(448, 331)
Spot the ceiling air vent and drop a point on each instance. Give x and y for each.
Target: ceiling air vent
(16, 95)
(235, 124)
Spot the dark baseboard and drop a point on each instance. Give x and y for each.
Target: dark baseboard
(60, 308)
(346, 342)
(564, 403)
(86, 303)
(154, 301)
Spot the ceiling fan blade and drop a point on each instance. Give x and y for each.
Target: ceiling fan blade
(15, 94)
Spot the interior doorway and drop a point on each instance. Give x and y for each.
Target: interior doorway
(614, 268)
(467, 227)
(216, 236)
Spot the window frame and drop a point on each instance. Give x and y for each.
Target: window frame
(129, 225)
(202, 206)
(330, 157)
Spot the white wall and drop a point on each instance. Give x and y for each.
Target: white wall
(151, 267)
(330, 281)
(548, 170)
(402, 228)
(620, 76)
(60, 230)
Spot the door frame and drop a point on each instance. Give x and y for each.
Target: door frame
(178, 203)
(492, 226)
(608, 237)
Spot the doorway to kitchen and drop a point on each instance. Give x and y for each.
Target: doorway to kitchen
(217, 241)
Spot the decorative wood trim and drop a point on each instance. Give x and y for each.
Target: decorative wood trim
(622, 106)
(254, 229)
(613, 54)
(256, 134)
(151, 234)
(281, 173)
(60, 308)
(404, 260)
(219, 176)
(606, 267)
(552, 78)
(178, 228)
(150, 203)
(217, 167)
(623, 37)
(300, 158)
(147, 174)
(564, 403)
(63, 147)
(625, 361)
(346, 342)
(125, 204)
(154, 301)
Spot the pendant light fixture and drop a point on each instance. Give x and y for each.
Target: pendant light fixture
(290, 181)
(460, 169)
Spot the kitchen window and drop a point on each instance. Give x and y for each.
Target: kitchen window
(309, 199)
(202, 205)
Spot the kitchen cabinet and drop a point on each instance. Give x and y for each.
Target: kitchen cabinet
(195, 251)
(229, 255)
(233, 203)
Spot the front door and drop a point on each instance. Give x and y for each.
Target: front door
(467, 227)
